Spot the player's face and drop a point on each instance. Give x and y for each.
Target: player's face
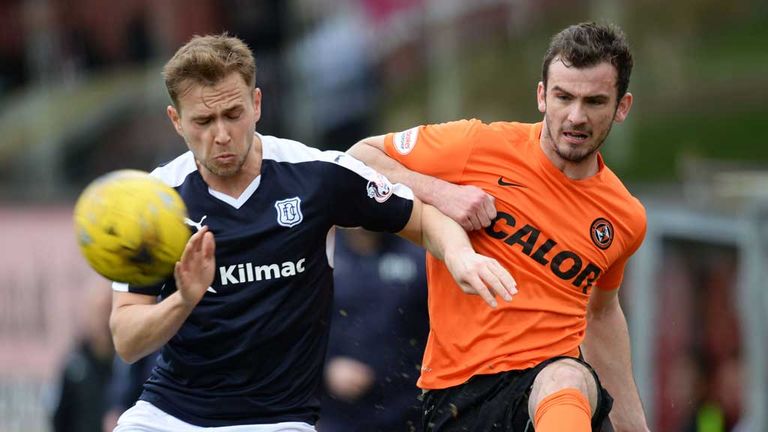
(579, 107)
(218, 123)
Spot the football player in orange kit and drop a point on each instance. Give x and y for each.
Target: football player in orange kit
(540, 199)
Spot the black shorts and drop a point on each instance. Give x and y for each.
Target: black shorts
(497, 402)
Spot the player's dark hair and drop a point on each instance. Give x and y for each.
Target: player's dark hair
(207, 60)
(589, 44)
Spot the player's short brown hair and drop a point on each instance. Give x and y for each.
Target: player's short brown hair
(207, 60)
(588, 44)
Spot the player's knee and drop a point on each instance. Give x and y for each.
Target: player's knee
(559, 375)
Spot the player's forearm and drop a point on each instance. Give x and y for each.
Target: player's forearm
(140, 329)
(441, 236)
(606, 347)
(371, 152)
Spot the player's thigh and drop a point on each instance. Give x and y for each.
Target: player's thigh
(561, 374)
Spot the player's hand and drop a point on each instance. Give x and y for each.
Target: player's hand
(195, 271)
(347, 378)
(470, 206)
(478, 274)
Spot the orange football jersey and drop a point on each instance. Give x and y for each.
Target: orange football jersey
(559, 238)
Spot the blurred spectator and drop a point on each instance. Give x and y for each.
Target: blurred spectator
(261, 25)
(335, 68)
(12, 62)
(720, 407)
(79, 400)
(377, 336)
(126, 386)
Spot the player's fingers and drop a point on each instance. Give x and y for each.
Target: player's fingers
(478, 287)
(508, 282)
(209, 245)
(465, 223)
(194, 238)
(507, 286)
(493, 283)
(474, 222)
(489, 209)
(189, 247)
(199, 235)
(482, 218)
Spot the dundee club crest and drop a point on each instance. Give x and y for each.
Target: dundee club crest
(601, 232)
(289, 212)
(379, 188)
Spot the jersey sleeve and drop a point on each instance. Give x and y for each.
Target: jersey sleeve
(362, 197)
(153, 290)
(613, 277)
(438, 150)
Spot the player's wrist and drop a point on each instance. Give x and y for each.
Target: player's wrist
(183, 300)
(429, 190)
(454, 257)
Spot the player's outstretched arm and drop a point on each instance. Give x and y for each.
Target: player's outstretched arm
(606, 348)
(469, 206)
(140, 325)
(447, 241)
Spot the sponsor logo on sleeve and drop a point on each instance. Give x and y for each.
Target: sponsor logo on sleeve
(405, 141)
(379, 188)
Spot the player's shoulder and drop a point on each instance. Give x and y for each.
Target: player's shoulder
(510, 140)
(621, 193)
(289, 151)
(455, 128)
(176, 171)
(509, 128)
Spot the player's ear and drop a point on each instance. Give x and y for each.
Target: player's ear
(541, 97)
(256, 104)
(173, 114)
(622, 110)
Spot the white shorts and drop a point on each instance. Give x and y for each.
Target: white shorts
(145, 417)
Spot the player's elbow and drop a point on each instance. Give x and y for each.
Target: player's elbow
(367, 148)
(123, 347)
(127, 357)
(126, 352)
(359, 150)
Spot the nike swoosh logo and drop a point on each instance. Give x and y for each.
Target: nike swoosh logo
(505, 183)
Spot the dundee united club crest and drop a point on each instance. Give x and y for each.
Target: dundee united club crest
(289, 212)
(602, 233)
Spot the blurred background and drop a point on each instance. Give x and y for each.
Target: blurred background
(81, 95)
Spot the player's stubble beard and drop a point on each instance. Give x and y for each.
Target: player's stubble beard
(235, 169)
(574, 155)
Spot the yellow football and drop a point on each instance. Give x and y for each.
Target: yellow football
(130, 227)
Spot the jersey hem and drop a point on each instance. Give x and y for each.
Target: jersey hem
(170, 409)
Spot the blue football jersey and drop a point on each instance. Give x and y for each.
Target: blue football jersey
(252, 350)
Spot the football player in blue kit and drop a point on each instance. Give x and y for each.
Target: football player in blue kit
(243, 323)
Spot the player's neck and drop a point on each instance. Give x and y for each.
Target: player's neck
(578, 170)
(585, 168)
